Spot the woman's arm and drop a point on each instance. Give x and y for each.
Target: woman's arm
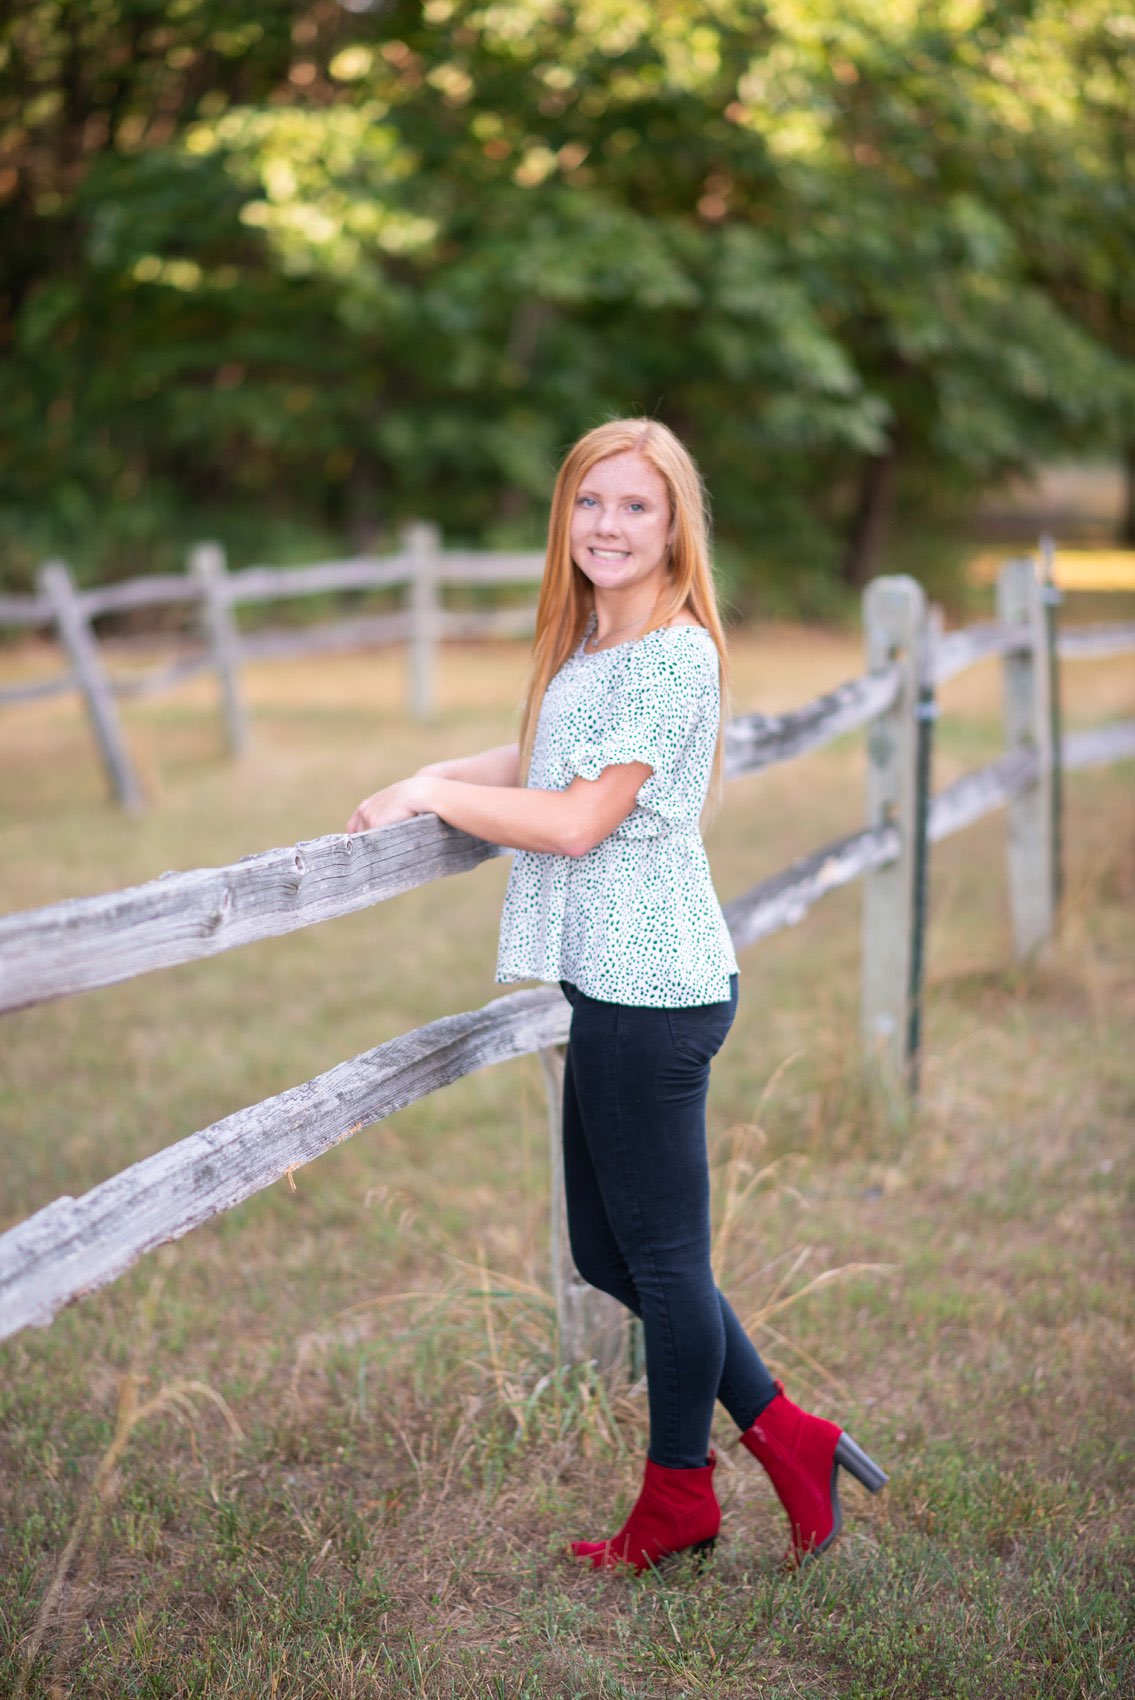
(499, 766)
(567, 823)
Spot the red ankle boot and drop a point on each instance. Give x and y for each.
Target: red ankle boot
(676, 1510)
(802, 1455)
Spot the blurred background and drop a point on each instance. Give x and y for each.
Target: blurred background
(288, 276)
(291, 274)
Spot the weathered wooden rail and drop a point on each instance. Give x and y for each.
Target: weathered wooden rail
(73, 1246)
(421, 569)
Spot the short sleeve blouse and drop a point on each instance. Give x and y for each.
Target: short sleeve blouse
(636, 919)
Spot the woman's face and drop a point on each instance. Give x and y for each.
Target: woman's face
(620, 524)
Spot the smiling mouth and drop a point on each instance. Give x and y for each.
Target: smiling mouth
(610, 554)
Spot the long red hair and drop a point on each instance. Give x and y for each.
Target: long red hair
(567, 597)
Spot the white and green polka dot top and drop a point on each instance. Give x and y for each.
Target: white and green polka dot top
(635, 920)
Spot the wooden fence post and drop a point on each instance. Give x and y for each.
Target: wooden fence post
(1053, 598)
(208, 567)
(895, 626)
(592, 1326)
(422, 542)
(1028, 725)
(78, 641)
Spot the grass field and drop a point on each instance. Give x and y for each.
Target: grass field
(320, 1447)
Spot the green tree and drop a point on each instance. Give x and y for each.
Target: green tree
(330, 269)
(1066, 91)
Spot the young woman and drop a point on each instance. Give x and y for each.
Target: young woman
(610, 895)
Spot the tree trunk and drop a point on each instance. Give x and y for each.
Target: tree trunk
(1127, 535)
(872, 516)
(363, 503)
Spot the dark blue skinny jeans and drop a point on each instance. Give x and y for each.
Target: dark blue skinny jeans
(636, 1182)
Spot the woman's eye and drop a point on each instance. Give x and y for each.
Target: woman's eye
(636, 507)
(586, 501)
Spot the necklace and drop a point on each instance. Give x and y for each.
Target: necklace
(615, 630)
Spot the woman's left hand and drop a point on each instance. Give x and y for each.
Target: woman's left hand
(401, 801)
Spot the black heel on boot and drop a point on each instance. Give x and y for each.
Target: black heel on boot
(863, 1468)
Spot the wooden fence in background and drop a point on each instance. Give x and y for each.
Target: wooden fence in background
(74, 1246)
(421, 571)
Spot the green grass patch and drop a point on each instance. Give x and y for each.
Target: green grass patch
(322, 1446)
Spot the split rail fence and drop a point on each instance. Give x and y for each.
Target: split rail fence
(76, 1245)
(421, 570)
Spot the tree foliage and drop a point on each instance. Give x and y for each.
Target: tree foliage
(285, 269)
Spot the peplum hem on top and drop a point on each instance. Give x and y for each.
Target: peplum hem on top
(636, 919)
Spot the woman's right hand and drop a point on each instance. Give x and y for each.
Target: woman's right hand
(400, 801)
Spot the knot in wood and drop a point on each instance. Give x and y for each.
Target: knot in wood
(222, 912)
